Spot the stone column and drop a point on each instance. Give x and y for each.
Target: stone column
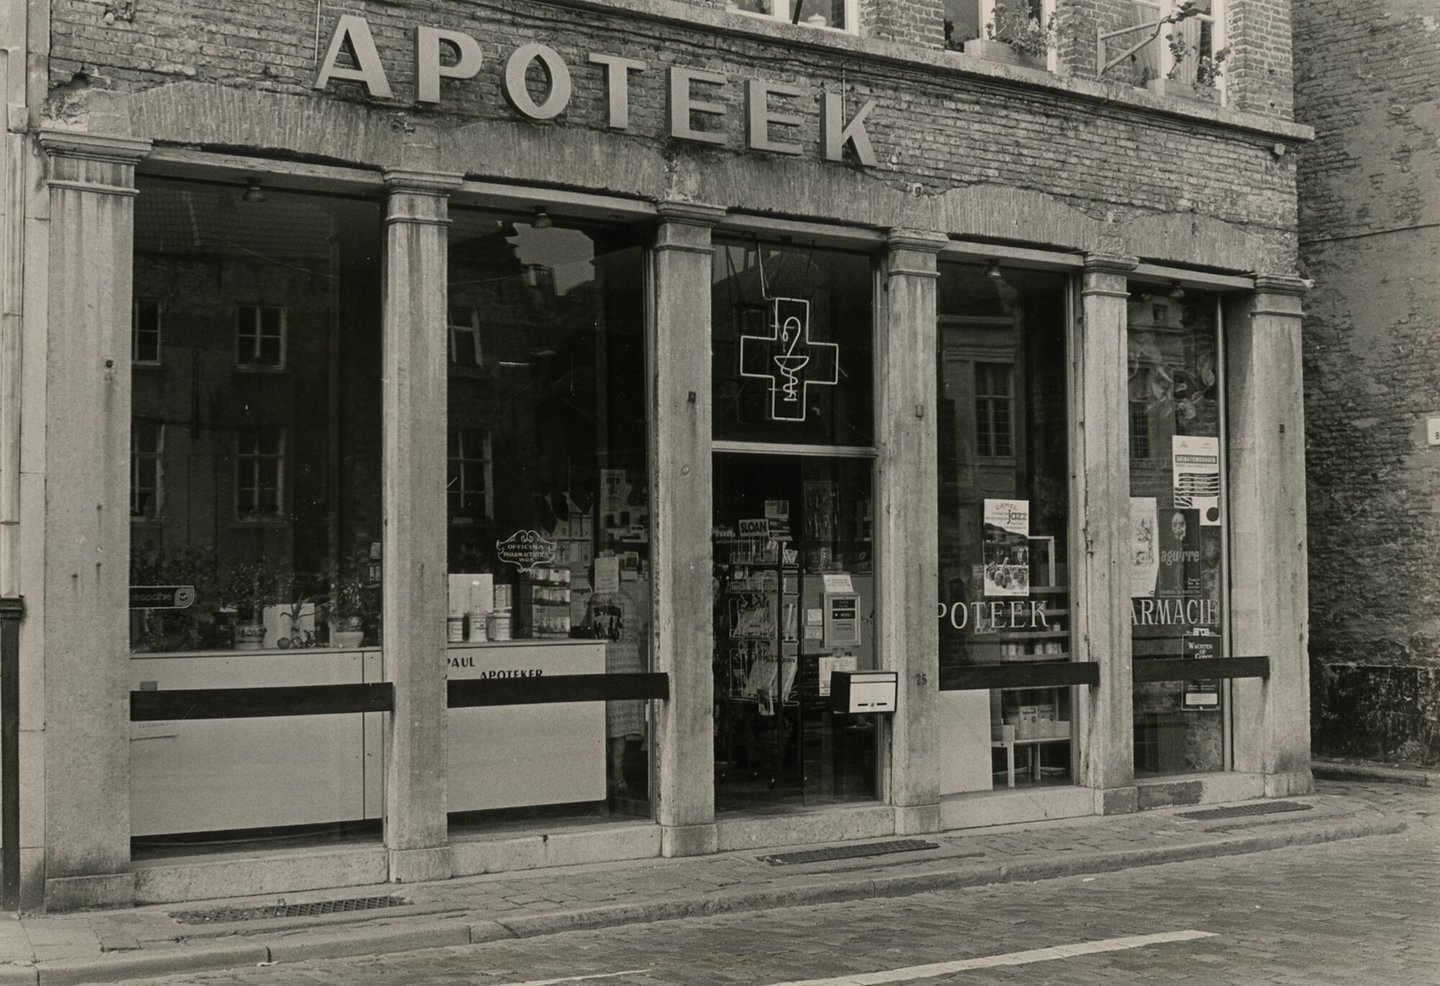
(87, 518)
(415, 585)
(1268, 600)
(907, 524)
(1100, 512)
(680, 489)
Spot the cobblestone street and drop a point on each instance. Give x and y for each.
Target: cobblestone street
(1362, 910)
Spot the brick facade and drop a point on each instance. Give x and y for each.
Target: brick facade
(1370, 205)
(946, 126)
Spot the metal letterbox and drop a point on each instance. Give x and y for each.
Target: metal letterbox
(863, 691)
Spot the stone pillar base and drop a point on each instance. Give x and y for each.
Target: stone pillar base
(689, 840)
(917, 819)
(80, 893)
(1117, 801)
(1289, 784)
(420, 865)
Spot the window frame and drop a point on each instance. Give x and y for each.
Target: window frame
(254, 460)
(253, 364)
(155, 454)
(986, 402)
(137, 305)
(455, 329)
(486, 464)
(781, 11)
(1167, 8)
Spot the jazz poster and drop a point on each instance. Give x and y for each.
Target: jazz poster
(1007, 547)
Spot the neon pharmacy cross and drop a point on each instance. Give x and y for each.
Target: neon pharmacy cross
(789, 359)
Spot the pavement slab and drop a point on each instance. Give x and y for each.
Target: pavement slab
(109, 946)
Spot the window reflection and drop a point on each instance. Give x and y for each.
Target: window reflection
(1177, 522)
(548, 510)
(1003, 520)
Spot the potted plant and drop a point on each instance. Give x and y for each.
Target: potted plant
(351, 602)
(1208, 69)
(248, 587)
(1015, 36)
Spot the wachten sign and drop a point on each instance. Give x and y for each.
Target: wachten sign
(693, 109)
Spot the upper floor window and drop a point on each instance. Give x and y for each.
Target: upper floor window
(145, 332)
(1026, 26)
(992, 410)
(470, 479)
(259, 472)
(1189, 48)
(260, 337)
(464, 336)
(842, 15)
(147, 446)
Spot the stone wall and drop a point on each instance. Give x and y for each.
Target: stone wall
(1366, 74)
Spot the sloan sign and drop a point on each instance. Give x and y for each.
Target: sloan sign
(691, 93)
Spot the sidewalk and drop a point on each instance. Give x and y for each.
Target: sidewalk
(113, 946)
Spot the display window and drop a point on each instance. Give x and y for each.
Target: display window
(255, 499)
(1004, 522)
(1177, 535)
(548, 512)
(794, 583)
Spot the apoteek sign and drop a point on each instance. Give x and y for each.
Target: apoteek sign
(690, 92)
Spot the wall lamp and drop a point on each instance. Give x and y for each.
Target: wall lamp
(252, 191)
(542, 219)
(1176, 291)
(993, 270)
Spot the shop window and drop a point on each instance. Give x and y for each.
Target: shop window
(145, 333)
(470, 476)
(147, 449)
(549, 510)
(259, 472)
(1177, 526)
(266, 549)
(260, 337)
(1004, 522)
(840, 15)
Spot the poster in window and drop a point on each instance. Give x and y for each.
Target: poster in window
(1007, 547)
(1203, 693)
(1144, 561)
(1195, 462)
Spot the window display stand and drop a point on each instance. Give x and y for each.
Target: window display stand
(757, 666)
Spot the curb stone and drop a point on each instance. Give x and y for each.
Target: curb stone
(302, 944)
(368, 941)
(159, 962)
(1373, 772)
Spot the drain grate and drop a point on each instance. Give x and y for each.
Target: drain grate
(280, 909)
(1243, 811)
(848, 852)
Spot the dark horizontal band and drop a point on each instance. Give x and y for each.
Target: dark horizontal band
(249, 703)
(1019, 674)
(1187, 668)
(471, 692)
